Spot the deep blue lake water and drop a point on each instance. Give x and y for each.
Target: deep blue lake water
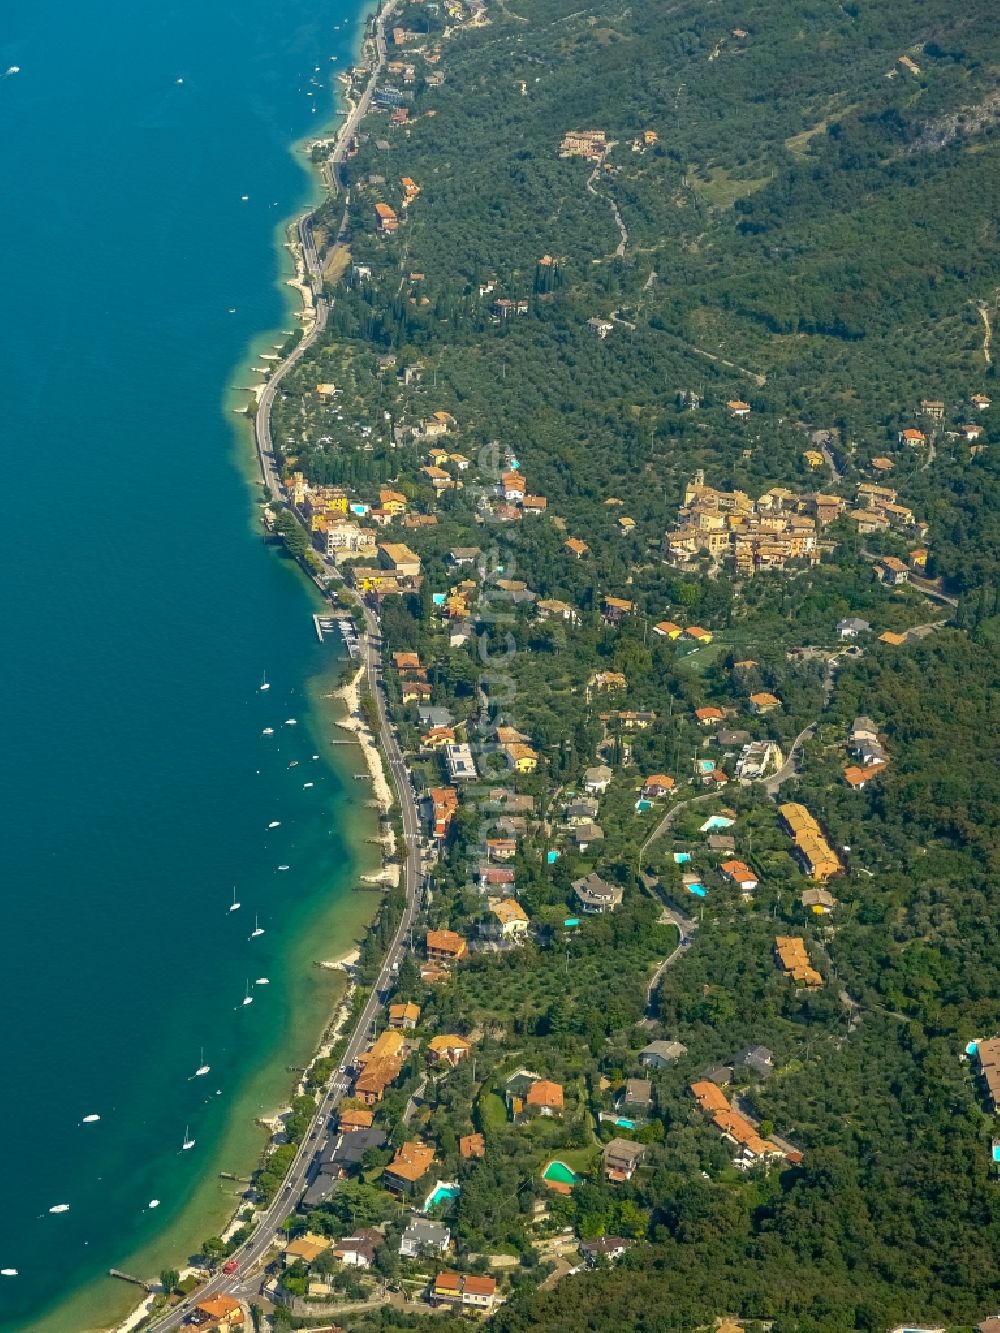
(140, 608)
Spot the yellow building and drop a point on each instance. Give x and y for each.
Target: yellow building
(523, 757)
(392, 502)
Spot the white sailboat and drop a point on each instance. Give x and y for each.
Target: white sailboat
(59, 1208)
(258, 929)
(290, 722)
(90, 1119)
(234, 905)
(275, 823)
(262, 981)
(187, 1142)
(8, 1272)
(265, 684)
(154, 1203)
(248, 998)
(203, 1068)
(284, 867)
(268, 731)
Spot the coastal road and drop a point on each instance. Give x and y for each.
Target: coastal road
(269, 1225)
(360, 109)
(313, 272)
(262, 422)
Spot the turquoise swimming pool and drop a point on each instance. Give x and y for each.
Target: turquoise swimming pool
(441, 1193)
(551, 857)
(681, 858)
(717, 822)
(560, 1173)
(996, 1151)
(697, 889)
(622, 1123)
(644, 805)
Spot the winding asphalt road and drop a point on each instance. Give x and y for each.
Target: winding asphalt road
(671, 815)
(268, 1227)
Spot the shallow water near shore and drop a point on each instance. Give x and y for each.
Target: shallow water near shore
(141, 609)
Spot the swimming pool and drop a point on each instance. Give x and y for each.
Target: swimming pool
(644, 805)
(972, 1048)
(560, 1173)
(571, 921)
(717, 822)
(681, 858)
(622, 1123)
(697, 889)
(551, 857)
(441, 1193)
(996, 1150)
(706, 765)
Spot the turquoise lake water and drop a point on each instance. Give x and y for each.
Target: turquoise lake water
(140, 608)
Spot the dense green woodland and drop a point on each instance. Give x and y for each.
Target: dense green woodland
(815, 230)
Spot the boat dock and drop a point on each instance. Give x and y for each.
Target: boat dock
(326, 624)
(130, 1277)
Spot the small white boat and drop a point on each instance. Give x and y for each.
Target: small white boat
(234, 906)
(293, 763)
(258, 929)
(284, 867)
(178, 80)
(59, 1208)
(154, 1203)
(265, 684)
(244, 197)
(306, 785)
(268, 731)
(315, 756)
(12, 69)
(290, 722)
(187, 1142)
(248, 998)
(8, 1272)
(203, 1068)
(262, 981)
(90, 1120)
(275, 823)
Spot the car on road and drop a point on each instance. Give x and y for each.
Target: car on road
(230, 1267)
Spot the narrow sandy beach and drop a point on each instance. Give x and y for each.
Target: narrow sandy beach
(355, 723)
